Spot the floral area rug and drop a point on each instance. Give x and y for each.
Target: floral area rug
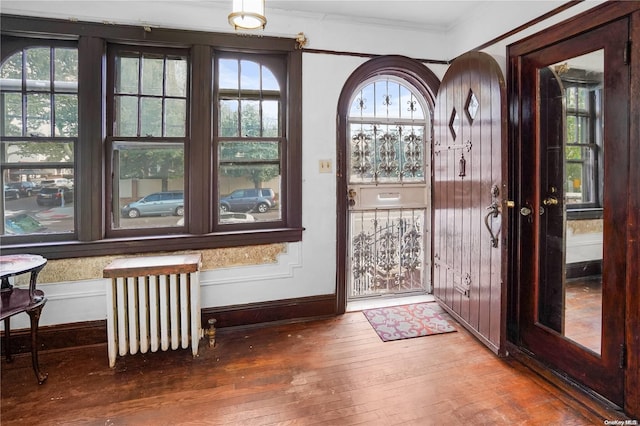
(408, 321)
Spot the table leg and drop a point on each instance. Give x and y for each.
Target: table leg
(7, 339)
(35, 318)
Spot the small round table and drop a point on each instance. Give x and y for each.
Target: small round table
(16, 300)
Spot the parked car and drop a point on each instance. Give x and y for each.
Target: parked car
(54, 196)
(228, 218)
(156, 204)
(245, 200)
(11, 193)
(26, 188)
(236, 218)
(62, 182)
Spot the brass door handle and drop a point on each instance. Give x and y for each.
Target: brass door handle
(550, 201)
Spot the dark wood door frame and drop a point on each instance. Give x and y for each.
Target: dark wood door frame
(589, 20)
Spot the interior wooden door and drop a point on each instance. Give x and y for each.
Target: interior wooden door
(468, 196)
(574, 161)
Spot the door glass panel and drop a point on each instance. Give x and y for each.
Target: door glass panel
(571, 210)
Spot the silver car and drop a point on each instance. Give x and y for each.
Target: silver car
(156, 204)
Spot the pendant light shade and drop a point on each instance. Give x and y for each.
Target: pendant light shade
(247, 15)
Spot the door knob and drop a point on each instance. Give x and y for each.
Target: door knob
(550, 201)
(525, 211)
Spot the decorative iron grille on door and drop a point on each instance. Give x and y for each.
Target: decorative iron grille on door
(387, 253)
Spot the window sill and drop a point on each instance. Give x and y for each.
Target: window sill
(584, 213)
(78, 249)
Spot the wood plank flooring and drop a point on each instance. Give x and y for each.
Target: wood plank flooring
(335, 371)
(583, 314)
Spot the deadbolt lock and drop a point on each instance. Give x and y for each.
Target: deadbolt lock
(352, 197)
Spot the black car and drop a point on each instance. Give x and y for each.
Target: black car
(26, 189)
(245, 200)
(11, 193)
(54, 196)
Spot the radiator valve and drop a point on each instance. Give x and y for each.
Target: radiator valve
(211, 332)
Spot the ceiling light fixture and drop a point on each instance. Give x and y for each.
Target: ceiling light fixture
(247, 15)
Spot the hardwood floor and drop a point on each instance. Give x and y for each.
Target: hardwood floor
(333, 372)
(583, 313)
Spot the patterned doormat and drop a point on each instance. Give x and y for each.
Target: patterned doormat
(408, 321)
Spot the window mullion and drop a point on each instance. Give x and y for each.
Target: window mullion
(202, 118)
(24, 92)
(139, 94)
(52, 125)
(90, 160)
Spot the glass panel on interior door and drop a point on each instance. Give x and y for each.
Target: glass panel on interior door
(570, 292)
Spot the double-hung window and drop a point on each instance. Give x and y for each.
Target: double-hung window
(583, 146)
(147, 117)
(250, 140)
(39, 134)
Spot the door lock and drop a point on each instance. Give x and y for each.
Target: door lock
(352, 197)
(550, 201)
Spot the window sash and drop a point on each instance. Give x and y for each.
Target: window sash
(40, 99)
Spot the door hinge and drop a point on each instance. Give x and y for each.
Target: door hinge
(626, 55)
(623, 356)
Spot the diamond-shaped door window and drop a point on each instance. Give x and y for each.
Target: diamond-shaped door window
(472, 106)
(454, 123)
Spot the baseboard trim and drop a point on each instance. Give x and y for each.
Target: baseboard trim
(584, 269)
(62, 336)
(293, 310)
(66, 336)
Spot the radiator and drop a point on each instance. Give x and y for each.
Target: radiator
(153, 303)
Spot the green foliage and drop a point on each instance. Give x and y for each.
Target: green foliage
(255, 160)
(141, 163)
(39, 99)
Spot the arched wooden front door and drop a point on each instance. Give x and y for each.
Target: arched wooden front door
(468, 193)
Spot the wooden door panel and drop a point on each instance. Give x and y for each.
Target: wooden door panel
(468, 142)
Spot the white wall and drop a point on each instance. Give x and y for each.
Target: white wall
(494, 24)
(308, 268)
